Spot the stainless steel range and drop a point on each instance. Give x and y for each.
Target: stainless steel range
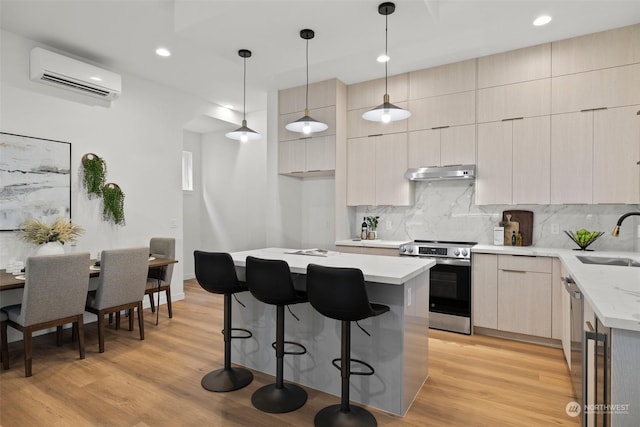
(449, 284)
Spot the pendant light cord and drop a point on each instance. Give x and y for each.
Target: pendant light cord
(244, 90)
(306, 102)
(386, 51)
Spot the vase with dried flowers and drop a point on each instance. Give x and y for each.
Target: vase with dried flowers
(50, 237)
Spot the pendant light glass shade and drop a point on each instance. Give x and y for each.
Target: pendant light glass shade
(244, 133)
(386, 112)
(306, 124)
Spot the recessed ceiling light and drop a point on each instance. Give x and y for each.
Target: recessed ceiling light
(542, 20)
(161, 51)
(382, 58)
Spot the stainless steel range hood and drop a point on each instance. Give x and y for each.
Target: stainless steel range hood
(441, 172)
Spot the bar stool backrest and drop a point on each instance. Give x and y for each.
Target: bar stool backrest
(338, 293)
(216, 272)
(269, 280)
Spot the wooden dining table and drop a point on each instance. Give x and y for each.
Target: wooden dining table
(9, 281)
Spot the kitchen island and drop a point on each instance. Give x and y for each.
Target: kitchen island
(397, 347)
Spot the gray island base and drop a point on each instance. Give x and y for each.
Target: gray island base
(397, 348)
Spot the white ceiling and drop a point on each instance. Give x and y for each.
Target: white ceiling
(205, 35)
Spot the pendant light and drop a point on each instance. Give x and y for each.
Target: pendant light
(243, 133)
(307, 124)
(386, 112)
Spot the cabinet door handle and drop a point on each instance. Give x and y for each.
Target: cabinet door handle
(514, 271)
(593, 109)
(375, 134)
(513, 118)
(440, 127)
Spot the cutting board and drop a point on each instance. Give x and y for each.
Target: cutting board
(525, 225)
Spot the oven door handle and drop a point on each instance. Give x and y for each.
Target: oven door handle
(451, 261)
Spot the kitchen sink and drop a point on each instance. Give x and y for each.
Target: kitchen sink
(624, 262)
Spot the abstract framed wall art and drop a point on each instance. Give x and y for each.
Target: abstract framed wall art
(35, 180)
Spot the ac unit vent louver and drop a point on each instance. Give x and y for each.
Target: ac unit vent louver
(61, 71)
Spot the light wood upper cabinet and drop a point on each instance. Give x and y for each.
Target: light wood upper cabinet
(291, 157)
(369, 94)
(446, 110)
(442, 147)
(358, 127)
(526, 99)
(321, 94)
(361, 170)
(495, 163)
(594, 156)
(325, 114)
(485, 290)
(616, 153)
(375, 171)
(391, 164)
(612, 87)
(320, 153)
(531, 161)
(596, 51)
(572, 158)
(519, 65)
(443, 80)
(510, 153)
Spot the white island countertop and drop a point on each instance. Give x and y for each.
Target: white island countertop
(612, 291)
(378, 268)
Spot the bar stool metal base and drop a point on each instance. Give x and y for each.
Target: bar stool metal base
(222, 380)
(279, 400)
(332, 416)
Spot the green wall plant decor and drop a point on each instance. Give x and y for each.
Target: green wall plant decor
(113, 204)
(94, 174)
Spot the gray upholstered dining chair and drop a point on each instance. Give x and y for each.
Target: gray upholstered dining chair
(159, 279)
(123, 276)
(54, 294)
(3, 340)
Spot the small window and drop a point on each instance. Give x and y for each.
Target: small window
(187, 171)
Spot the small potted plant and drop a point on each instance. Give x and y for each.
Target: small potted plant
(94, 174)
(50, 237)
(372, 224)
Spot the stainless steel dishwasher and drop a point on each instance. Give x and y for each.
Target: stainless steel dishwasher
(577, 336)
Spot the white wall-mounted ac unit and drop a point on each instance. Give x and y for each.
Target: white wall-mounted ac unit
(64, 72)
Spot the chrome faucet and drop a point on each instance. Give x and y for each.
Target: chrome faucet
(616, 229)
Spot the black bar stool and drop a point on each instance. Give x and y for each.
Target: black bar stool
(339, 293)
(216, 273)
(270, 282)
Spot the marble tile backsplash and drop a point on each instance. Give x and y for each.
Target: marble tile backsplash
(445, 210)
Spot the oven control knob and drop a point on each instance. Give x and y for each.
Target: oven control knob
(456, 252)
(464, 252)
(410, 249)
(403, 249)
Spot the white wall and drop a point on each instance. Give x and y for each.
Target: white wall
(140, 136)
(192, 205)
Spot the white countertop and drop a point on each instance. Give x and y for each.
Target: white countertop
(376, 268)
(612, 291)
(378, 243)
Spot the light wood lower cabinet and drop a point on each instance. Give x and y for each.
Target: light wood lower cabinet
(514, 294)
(485, 290)
(368, 250)
(524, 302)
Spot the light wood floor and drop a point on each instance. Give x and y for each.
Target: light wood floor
(474, 381)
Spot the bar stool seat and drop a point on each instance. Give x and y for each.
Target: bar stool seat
(216, 273)
(270, 282)
(340, 293)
